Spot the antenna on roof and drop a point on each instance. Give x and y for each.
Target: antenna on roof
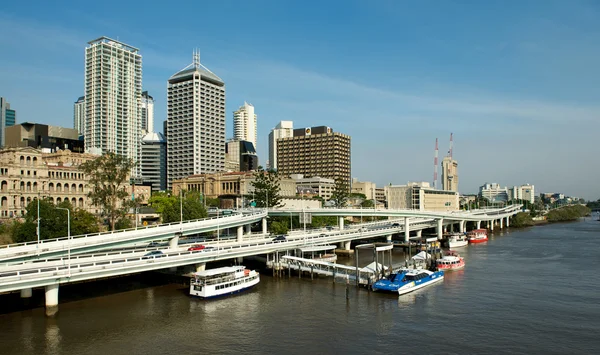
(435, 165)
(196, 57)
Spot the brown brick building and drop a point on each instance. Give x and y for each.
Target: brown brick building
(315, 151)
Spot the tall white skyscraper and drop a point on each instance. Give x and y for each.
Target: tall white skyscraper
(79, 115)
(244, 124)
(283, 129)
(147, 113)
(113, 99)
(195, 126)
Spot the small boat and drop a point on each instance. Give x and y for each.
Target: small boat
(477, 236)
(451, 261)
(457, 241)
(223, 281)
(408, 280)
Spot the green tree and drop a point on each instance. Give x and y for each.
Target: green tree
(123, 223)
(266, 188)
(323, 221)
(160, 200)
(53, 222)
(193, 208)
(340, 194)
(213, 202)
(279, 227)
(368, 204)
(107, 177)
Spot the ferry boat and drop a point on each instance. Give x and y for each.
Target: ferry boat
(408, 280)
(477, 236)
(452, 261)
(457, 241)
(223, 281)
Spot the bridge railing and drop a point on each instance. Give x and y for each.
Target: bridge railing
(42, 241)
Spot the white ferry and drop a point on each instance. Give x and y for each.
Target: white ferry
(457, 241)
(223, 281)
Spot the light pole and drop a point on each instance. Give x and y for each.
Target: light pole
(136, 217)
(68, 238)
(181, 206)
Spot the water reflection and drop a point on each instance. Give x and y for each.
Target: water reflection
(26, 330)
(53, 337)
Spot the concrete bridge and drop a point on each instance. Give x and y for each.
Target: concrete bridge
(53, 262)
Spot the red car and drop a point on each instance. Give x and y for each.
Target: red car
(196, 247)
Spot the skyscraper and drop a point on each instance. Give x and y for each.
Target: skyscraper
(195, 125)
(147, 113)
(283, 129)
(244, 124)
(8, 118)
(449, 174)
(154, 160)
(113, 99)
(315, 151)
(79, 115)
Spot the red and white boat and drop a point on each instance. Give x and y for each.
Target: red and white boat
(477, 236)
(451, 261)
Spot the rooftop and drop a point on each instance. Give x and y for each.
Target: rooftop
(196, 67)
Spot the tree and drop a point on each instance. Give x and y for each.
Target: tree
(368, 204)
(213, 202)
(340, 194)
(193, 208)
(266, 188)
(53, 222)
(107, 177)
(279, 227)
(159, 200)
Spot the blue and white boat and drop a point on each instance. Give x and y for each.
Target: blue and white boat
(408, 280)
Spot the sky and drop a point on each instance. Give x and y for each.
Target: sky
(516, 82)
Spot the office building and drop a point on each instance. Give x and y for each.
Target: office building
(315, 151)
(244, 124)
(366, 188)
(449, 174)
(113, 97)
(420, 196)
(44, 137)
(8, 118)
(284, 129)
(493, 192)
(314, 186)
(154, 160)
(195, 122)
(79, 115)
(524, 192)
(240, 156)
(147, 113)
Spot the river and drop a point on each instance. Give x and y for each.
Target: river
(527, 291)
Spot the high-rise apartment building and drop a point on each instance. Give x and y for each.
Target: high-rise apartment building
(147, 113)
(524, 192)
(449, 174)
(154, 160)
(195, 125)
(315, 151)
(8, 118)
(113, 99)
(284, 129)
(244, 124)
(79, 115)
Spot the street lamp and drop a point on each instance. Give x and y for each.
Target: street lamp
(68, 238)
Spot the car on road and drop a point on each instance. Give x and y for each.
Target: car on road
(395, 224)
(153, 254)
(322, 235)
(153, 244)
(329, 228)
(280, 238)
(196, 247)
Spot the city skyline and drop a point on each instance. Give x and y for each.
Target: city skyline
(483, 73)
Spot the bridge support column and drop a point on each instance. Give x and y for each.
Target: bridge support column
(419, 233)
(461, 226)
(478, 224)
(451, 227)
(26, 293)
(508, 221)
(388, 238)
(173, 242)
(341, 222)
(248, 228)
(347, 245)
(440, 228)
(501, 220)
(240, 234)
(491, 225)
(406, 229)
(51, 300)
(200, 267)
(264, 226)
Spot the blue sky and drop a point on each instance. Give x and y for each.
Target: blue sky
(515, 81)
